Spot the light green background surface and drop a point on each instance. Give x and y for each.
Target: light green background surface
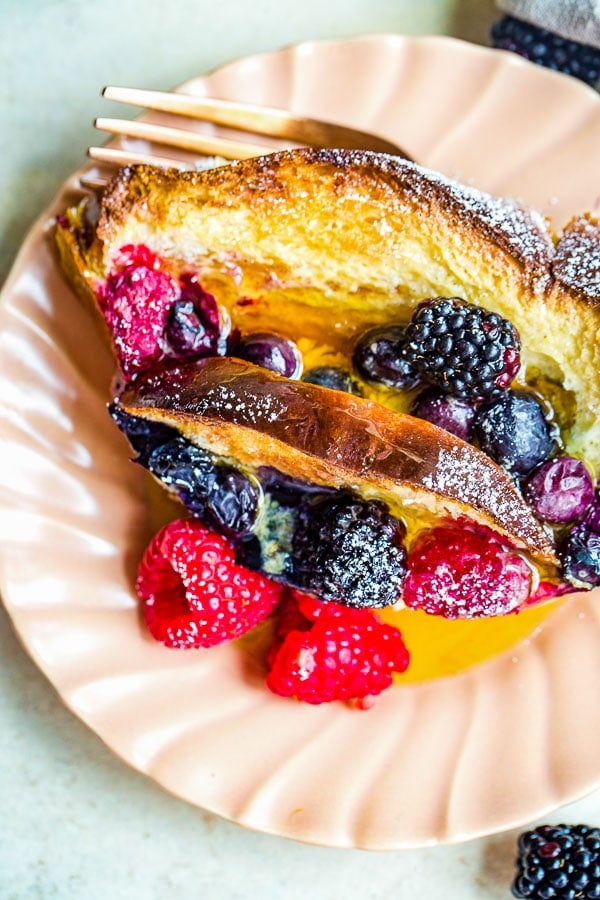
(77, 824)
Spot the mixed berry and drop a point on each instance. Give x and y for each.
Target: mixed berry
(267, 533)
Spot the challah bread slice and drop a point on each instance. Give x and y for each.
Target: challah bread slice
(254, 418)
(327, 243)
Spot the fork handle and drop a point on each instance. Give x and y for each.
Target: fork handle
(270, 121)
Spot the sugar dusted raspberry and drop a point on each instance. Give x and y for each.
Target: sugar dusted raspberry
(326, 651)
(193, 592)
(462, 572)
(136, 300)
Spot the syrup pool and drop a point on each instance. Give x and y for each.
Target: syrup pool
(440, 647)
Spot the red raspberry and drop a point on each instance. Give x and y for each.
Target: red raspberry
(343, 654)
(136, 300)
(462, 572)
(547, 590)
(193, 592)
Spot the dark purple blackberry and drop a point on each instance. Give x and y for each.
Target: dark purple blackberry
(463, 349)
(558, 861)
(560, 490)
(547, 49)
(347, 550)
(454, 414)
(334, 378)
(513, 429)
(579, 554)
(379, 357)
(194, 326)
(270, 351)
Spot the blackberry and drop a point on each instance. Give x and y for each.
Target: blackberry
(558, 861)
(465, 350)
(347, 550)
(547, 49)
(334, 378)
(513, 429)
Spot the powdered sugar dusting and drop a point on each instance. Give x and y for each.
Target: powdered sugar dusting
(521, 231)
(458, 473)
(577, 262)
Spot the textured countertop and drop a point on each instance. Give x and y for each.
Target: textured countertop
(78, 823)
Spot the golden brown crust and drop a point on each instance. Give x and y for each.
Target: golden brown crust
(258, 418)
(349, 239)
(364, 237)
(283, 180)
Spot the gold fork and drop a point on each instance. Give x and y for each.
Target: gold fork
(262, 121)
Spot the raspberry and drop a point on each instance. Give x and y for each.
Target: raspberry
(136, 301)
(547, 48)
(461, 572)
(193, 592)
(561, 861)
(327, 651)
(465, 350)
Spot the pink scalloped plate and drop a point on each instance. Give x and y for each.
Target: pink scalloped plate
(440, 761)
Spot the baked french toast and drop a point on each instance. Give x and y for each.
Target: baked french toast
(342, 361)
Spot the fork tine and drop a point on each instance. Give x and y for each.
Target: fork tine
(258, 119)
(182, 139)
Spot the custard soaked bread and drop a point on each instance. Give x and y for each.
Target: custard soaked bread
(379, 295)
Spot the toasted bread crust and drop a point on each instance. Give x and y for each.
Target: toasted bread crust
(368, 235)
(350, 239)
(249, 414)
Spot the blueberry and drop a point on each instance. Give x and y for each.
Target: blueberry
(560, 490)
(271, 352)
(580, 556)
(379, 357)
(188, 470)
(194, 326)
(233, 501)
(454, 414)
(217, 493)
(334, 378)
(143, 434)
(514, 431)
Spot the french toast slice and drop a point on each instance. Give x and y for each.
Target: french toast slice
(320, 247)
